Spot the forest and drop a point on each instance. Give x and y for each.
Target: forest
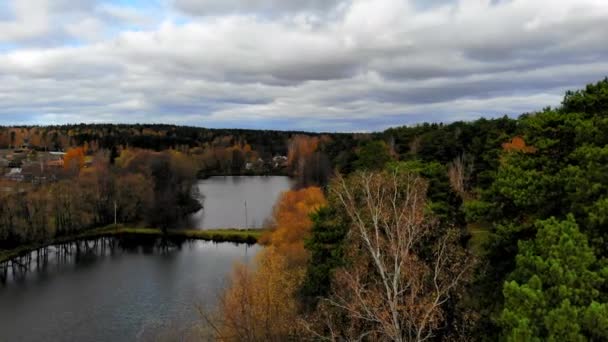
(471, 231)
(140, 186)
(487, 230)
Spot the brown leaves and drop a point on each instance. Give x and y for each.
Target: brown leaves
(261, 303)
(74, 159)
(392, 288)
(518, 144)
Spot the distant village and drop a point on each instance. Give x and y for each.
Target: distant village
(25, 164)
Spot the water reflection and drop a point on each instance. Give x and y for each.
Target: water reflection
(112, 289)
(237, 201)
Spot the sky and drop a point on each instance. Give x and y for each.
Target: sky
(315, 65)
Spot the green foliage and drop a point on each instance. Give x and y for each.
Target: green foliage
(564, 174)
(477, 210)
(442, 200)
(593, 99)
(587, 191)
(522, 189)
(553, 291)
(432, 142)
(373, 155)
(326, 253)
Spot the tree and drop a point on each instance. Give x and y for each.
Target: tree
(459, 172)
(238, 159)
(326, 246)
(299, 148)
(310, 166)
(98, 184)
(554, 291)
(260, 305)
(518, 144)
(395, 286)
(592, 100)
(315, 171)
(172, 173)
(373, 155)
(441, 199)
(134, 196)
(74, 159)
(291, 223)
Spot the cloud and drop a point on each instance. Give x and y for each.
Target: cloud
(260, 7)
(26, 19)
(366, 65)
(48, 23)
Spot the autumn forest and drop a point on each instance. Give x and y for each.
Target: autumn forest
(488, 230)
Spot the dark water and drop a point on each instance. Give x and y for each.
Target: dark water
(125, 293)
(224, 198)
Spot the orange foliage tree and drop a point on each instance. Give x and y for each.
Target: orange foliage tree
(292, 223)
(260, 304)
(306, 160)
(300, 147)
(74, 159)
(518, 144)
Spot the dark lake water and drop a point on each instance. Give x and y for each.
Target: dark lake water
(224, 198)
(125, 293)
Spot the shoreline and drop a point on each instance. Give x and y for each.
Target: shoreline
(202, 175)
(249, 236)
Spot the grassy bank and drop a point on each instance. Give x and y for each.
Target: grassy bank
(218, 235)
(208, 174)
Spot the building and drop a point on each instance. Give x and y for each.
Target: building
(15, 174)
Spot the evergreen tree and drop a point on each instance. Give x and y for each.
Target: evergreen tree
(326, 253)
(554, 292)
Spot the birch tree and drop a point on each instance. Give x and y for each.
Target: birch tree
(399, 275)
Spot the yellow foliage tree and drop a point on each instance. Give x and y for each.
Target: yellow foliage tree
(292, 224)
(260, 304)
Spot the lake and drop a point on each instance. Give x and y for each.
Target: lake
(228, 200)
(125, 293)
(136, 289)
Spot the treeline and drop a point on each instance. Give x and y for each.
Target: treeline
(141, 186)
(218, 151)
(488, 230)
(145, 136)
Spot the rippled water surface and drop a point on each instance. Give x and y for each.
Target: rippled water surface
(110, 290)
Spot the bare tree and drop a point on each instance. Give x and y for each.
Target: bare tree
(459, 172)
(399, 275)
(415, 145)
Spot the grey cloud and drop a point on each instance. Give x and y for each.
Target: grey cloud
(262, 7)
(377, 63)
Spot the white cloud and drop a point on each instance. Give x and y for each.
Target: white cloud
(28, 19)
(368, 64)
